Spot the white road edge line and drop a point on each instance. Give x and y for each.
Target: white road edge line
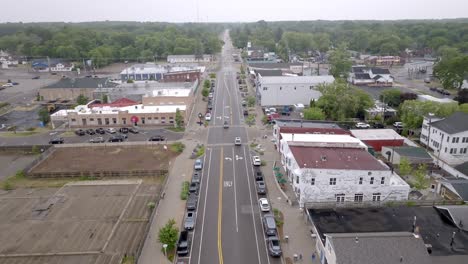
(204, 207)
(235, 189)
(251, 207)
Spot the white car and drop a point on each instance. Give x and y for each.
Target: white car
(398, 125)
(210, 95)
(256, 161)
(111, 130)
(207, 117)
(237, 141)
(362, 125)
(7, 85)
(264, 205)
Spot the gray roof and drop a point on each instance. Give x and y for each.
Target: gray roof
(376, 70)
(297, 80)
(284, 65)
(81, 83)
(461, 187)
(453, 124)
(432, 224)
(379, 248)
(463, 168)
(362, 76)
(269, 72)
(413, 152)
(305, 123)
(458, 215)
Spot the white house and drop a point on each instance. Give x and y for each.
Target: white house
(362, 75)
(447, 137)
(289, 90)
(189, 58)
(338, 169)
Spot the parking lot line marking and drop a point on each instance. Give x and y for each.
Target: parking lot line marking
(220, 206)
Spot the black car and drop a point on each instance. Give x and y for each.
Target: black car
(246, 112)
(116, 138)
(193, 188)
(36, 77)
(56, 141)
(123, 130)
(378, 125)
(258, 175)
(133, 130)
(100, 131)
(156, 138)
(183, 245)
(80, 132)
(274, 246)
(90, 131)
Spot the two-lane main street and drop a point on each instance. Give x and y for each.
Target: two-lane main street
(229, 227)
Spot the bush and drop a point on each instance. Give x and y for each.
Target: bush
(205, 92)
(213, 75)
(263, 163)
(7, 185)
(251, 101)
(185, 190)
(177, 147)
(130, 81)
(169, 234)
(201, 151)
(206, 84)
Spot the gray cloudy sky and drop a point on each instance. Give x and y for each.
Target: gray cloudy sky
(227, 10)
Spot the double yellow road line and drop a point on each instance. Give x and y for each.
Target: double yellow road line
(220, 206)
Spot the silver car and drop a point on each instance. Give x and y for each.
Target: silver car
(189, 222)
(198, 164)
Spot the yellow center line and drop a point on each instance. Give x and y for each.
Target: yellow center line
(220, 206)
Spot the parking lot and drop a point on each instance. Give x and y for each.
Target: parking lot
(85, 222)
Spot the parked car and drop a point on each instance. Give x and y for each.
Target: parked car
(378, 125)
(116, 138)
(90, 131)
(445, 92)
(183, 245)
(210, 95)
(264, 205)
(133, 130)
(269, 225)
(261, 187)
(192, 202)
(256, 161)
(258, 175)
(36, 77)
(196, 177)
(56, 141)
(398, 125)
(244, 103)
(246, 112)
(124, 136)
(100, 131)
(274, 246)
(111, 130)
(189, 222)
(193, 188)
(123, 130)
(362, 125)
(80, 132)
(237, 141)
(198, 164)
(97, 140)
(207, 117)
(156, 138)
(433, 89)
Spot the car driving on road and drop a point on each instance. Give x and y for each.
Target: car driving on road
(237, 141)
(56, 141)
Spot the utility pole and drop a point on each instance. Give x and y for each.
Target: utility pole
(48, 63)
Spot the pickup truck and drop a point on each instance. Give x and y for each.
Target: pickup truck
(183, 245)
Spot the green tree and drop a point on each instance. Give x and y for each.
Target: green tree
(421, 182)
(412, 112)
(169, 234)
(105, 98)
(391, 97)
(405, 166)
(205, 92)
(179, 120)
(340, 63)
(452, 71)
(44, 115)
(82, 100)
(314, 113)
(251, 101)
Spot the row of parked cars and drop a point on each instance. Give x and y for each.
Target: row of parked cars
(183, 244)
(440, 90)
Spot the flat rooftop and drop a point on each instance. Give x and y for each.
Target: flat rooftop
(297, 79)
(376, 134)
(435, 227)
(336, 158)
(134, 109)
(313, 130)
(170, 92)
(304, 123)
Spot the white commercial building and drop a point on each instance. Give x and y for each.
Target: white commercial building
(337, 168)
(289, 90)
(447, 137)
(189, 58)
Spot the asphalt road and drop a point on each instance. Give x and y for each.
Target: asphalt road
(229, 227)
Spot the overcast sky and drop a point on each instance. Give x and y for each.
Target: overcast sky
(227, 10)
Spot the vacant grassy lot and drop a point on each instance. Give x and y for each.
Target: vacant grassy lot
(114, 158)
